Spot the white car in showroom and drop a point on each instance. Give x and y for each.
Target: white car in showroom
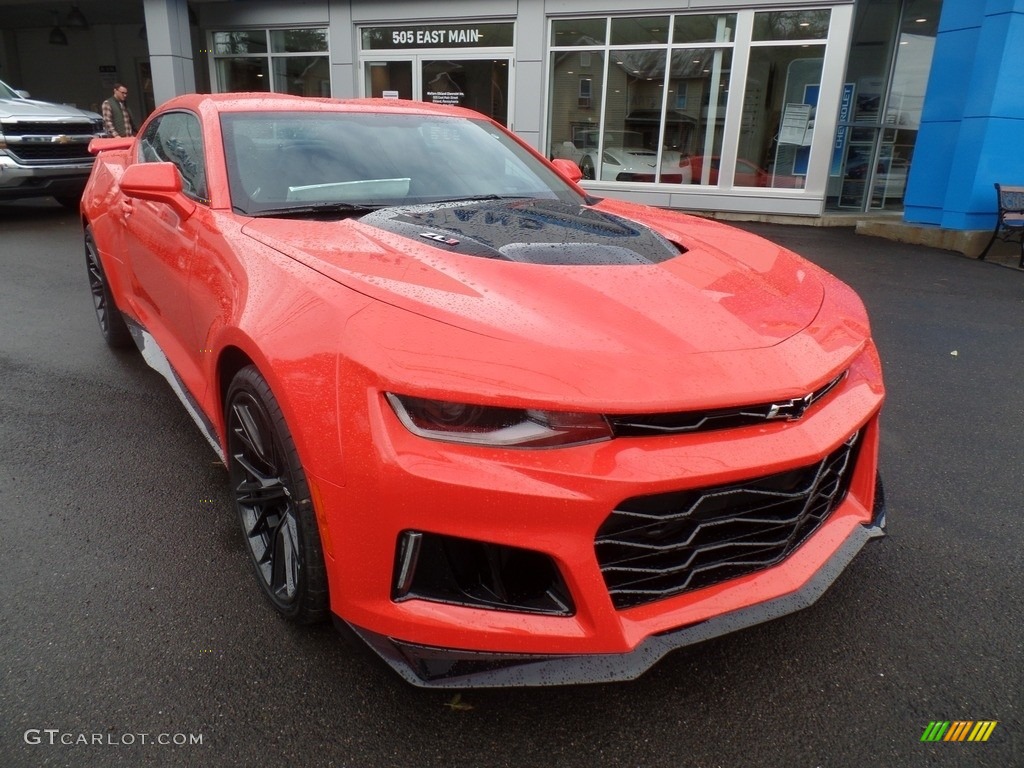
(625, 158)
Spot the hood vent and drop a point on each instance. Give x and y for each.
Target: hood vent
(548, 232)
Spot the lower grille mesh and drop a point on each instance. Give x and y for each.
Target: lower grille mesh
(653, 547)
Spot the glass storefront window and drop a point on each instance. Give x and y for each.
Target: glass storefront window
(244, 60)
(890, 57)
(791, 25)
(240, 41)
(302, 75)
(243, 74)
(565, 32)
(779, 103)
(298, 40)
(657, 103)
(698, 92)
(633, 122)
(657, 108)
(715, 28)
(640, 31)
(576, 106)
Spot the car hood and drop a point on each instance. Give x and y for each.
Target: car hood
(29, 109)
(532, 271)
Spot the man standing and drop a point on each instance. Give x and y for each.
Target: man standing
(117, 120)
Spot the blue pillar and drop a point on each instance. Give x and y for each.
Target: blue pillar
(972, 126)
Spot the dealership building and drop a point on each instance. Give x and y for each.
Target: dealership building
(909, 107)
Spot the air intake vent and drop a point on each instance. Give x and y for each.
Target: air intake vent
(654, 547)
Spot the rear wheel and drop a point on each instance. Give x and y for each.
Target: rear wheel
(273, 501)
(112, 325)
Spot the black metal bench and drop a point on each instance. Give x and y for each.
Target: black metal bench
(1010, 224)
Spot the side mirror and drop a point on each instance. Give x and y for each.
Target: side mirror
(568, 169)
(23, 94)
(159, 182)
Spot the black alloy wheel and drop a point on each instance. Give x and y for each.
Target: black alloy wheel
(587, 168)
(112, 325)
(273, 501)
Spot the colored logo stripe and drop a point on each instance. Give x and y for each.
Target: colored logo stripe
(959, 730)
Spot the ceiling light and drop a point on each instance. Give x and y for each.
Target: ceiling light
(57, 36)
(75, 18)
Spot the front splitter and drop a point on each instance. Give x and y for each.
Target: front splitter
(432, 667)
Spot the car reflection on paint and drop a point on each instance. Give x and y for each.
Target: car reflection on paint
(508, 432)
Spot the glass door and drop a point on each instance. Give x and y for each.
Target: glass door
(480, 84)
(388, 80)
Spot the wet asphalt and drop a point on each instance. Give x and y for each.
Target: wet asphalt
(130, 617)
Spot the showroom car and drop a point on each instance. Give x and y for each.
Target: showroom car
(507, 432)
(624, 158)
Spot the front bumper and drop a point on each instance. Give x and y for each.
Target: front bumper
(430, 667)
(18, 181)
(555, 504)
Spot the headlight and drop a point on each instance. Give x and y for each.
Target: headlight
(498, 427)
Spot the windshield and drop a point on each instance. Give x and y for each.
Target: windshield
(336, 162)
(6, 92)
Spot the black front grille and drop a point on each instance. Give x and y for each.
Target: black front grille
(724, 418)
(30, 128)
(653, 547)
(50, 152)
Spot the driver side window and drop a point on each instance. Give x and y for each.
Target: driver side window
(176, 138)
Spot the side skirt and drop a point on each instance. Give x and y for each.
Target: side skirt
(157, 360)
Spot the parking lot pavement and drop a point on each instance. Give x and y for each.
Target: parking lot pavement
(129, 609)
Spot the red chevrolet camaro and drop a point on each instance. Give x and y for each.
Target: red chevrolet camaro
(510, 433)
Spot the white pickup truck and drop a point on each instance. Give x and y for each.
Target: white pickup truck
(44, 148)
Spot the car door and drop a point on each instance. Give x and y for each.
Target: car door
(160, 244)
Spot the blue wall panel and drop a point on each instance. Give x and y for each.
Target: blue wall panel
(972, 127)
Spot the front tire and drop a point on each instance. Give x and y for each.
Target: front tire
(273, 501)
(112, 325)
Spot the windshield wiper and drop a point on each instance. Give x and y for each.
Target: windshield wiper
(472, 198)
(314, 209)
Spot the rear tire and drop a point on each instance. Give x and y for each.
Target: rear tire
(112, 325)
(273, 502)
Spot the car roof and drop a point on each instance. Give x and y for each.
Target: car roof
(280, 102)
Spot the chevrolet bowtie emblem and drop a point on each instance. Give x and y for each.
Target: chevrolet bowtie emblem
(62, 139)
(791, 410)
